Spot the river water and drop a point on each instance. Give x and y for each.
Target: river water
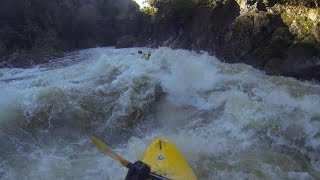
(229, 121)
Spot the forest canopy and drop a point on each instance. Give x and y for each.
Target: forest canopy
(64, 24)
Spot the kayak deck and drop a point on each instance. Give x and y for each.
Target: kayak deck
(165, 159)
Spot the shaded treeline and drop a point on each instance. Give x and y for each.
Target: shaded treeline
(44, 26)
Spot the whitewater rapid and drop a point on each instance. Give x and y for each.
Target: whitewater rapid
(230, 121)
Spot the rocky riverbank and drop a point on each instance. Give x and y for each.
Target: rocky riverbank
(279, 37)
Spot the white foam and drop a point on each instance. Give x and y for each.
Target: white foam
(213, 110)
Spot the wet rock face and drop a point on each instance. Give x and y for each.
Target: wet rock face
(264, 41)
(208, 30)
(132, 41)
(255, 38)
(317, 31)
(262, 33)
(303, 62)
(126, 41)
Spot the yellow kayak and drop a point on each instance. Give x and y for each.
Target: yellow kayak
(165, 160)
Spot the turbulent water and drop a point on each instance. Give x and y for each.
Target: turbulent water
(229, 121)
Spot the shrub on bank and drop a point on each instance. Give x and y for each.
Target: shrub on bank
(174, 9)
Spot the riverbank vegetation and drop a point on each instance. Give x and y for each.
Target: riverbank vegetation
(49, 26)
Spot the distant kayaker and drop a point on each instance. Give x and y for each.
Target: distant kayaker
(145, 56)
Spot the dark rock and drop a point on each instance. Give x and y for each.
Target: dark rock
(254, 36)
(207, 30)
(202, 28)
(302, 62)
(131, 41)
(241, 32)
(2, 49)
(249, 37)
(281, 38)
(126, 41)
(247, 33)
(260, 56)
(317, 31)
(266, 56)
(274, 66)
(302, 50)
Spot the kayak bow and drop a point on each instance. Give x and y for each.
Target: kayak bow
(165, 160)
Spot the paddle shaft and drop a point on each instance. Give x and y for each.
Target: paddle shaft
(158, 177)
(108, 151)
